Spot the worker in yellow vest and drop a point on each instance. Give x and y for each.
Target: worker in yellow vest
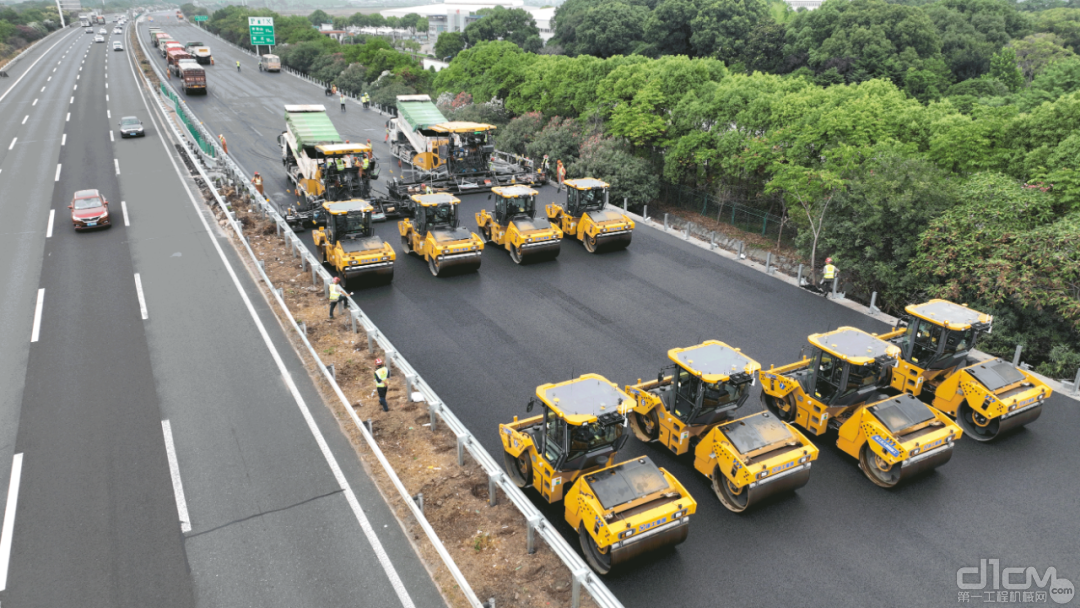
(257, 182)
(381, 374)
(829, 274)
(337, 296)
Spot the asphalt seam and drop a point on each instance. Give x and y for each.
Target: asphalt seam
(262, 513)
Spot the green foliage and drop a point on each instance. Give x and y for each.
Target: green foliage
(1064, 22)
(611, 28)
(489, 69)
(560, 139)
(319, 17)
(1003, 68)
(875, 224)
(972, 31)
(722, 27)
(449, 44)
(668, 27)
(351, 80)
(609, 159)
(519, 133)
(498, 23)
(1037, 51)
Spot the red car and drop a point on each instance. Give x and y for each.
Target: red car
(89, 210)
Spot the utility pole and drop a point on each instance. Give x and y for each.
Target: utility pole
(61, 11)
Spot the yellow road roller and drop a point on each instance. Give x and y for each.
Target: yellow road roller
(986, 398)
(620, 510)
(349, 244)
(689, 406)
(840, 385)
(435, 235)
(514, 226)
(587, 218)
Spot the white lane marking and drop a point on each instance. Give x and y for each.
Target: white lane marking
(72, 100)
(35, 102)
(174, 470)
(68, 117)
(24, 119)
(142, 299)
(350, 496)
(123, 207)
(116, 163)
(111, 138)
(27, 71)
(106, 85)
(13, 143)
(108, 114)
(35, 333)
(78, 76)
(106, 97)
(43, 88)
(9, 518)
(52, 216)
(63, 139)
(57, 178)
(76, 88)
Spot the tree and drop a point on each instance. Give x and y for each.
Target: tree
(608, 159)
(521, 131)
(1003, 69)
(613, 28)
(422, 25)
(764, 47)
(566, 20)
(449, 44)
(876, 222)
(515, 25)
(1065, 22)
(722, 27)
(668, 27)
(351, 80)
(1037, 51)
(319, 17)
(340, 22)
(809, 193)
(560, 139)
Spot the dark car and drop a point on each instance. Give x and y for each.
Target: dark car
(131, 126)
(89, 210)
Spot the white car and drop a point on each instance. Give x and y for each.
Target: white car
(102, 31)
(117, 46)
(117, 31)
(99, 39)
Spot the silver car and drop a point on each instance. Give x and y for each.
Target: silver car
(99, 39)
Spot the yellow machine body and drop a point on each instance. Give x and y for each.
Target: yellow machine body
(348, 244)
(839, 386)
(512, 225)
(434, 235)
(586, 218)
(986, 398)
(620, 510)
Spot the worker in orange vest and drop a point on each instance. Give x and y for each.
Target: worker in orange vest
(560, 170)
(224, 146)
(257, 181)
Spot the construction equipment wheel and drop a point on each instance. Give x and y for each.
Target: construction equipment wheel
(433, 266)
(977, 426)
(405, 244)
(515, 253)
(781, 407)
(519, 469)
(590, 244)
(646, 426)
(599, 559)
(485, 234)
(880, 472)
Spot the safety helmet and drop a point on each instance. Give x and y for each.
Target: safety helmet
(337, 279)
(828, 260)
(378, 361)
(256, 173)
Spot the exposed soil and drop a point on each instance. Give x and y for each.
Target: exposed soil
(144, 64)
(756, 241)
(487, 543)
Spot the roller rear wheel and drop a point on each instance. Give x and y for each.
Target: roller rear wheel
(977, 426)
(590, 244)
(736, 499)
(515, 254)
(599, 559)
(433, 266)
(781, 407)
(519, 469)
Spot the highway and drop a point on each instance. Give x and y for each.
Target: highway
(160, 442)
(485, 341)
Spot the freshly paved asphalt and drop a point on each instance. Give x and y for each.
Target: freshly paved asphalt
(485, 341)
(97, 521)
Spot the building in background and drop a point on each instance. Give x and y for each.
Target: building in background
(455, 15)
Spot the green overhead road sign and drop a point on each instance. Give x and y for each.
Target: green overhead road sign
(262, 30)
(199, 18)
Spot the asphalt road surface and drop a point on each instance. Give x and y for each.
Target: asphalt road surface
(140, 359)
(485, 341)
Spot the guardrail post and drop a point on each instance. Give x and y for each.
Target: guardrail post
(390, 363)
(371, 336)
(712, 241)
(873, 301)
(280, 292)
(326, 288)
(768, 263)
(645, 212)
(835, 281)
(409, 380)
(493, 498)
(303, 327)
(686, 231)
(575, 588)
(370, 429)
(1016, 355)
(333, 372)
(624, 203)
(1076, 382)
(419, 500)
(303, 262)
(353, 314)
(799, 279)
(433, 410)
(665, 222)
(742, 245)
(262, 266)
(461, 450)
(531, 523)
(314, 276)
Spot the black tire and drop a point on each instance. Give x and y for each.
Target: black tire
(735, 499)
(519, 469)
(877, 470)
(515, 254)
(599, 560)
(781, 407)
(405, 244)
(433, 266)
(975, 425)
(590, 244)
(646, 426)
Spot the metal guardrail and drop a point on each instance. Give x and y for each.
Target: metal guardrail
(536, 523)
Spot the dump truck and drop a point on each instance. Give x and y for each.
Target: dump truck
(310, 151)
(173, 57)
(349, 245)
(987, 398)
(151, 34)
(689, 407)
(619, 511)
(435, 235)
(192, 77)
(171, 45)
(449, 155)
(586, 217)
(514, 226)
(841, 386)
